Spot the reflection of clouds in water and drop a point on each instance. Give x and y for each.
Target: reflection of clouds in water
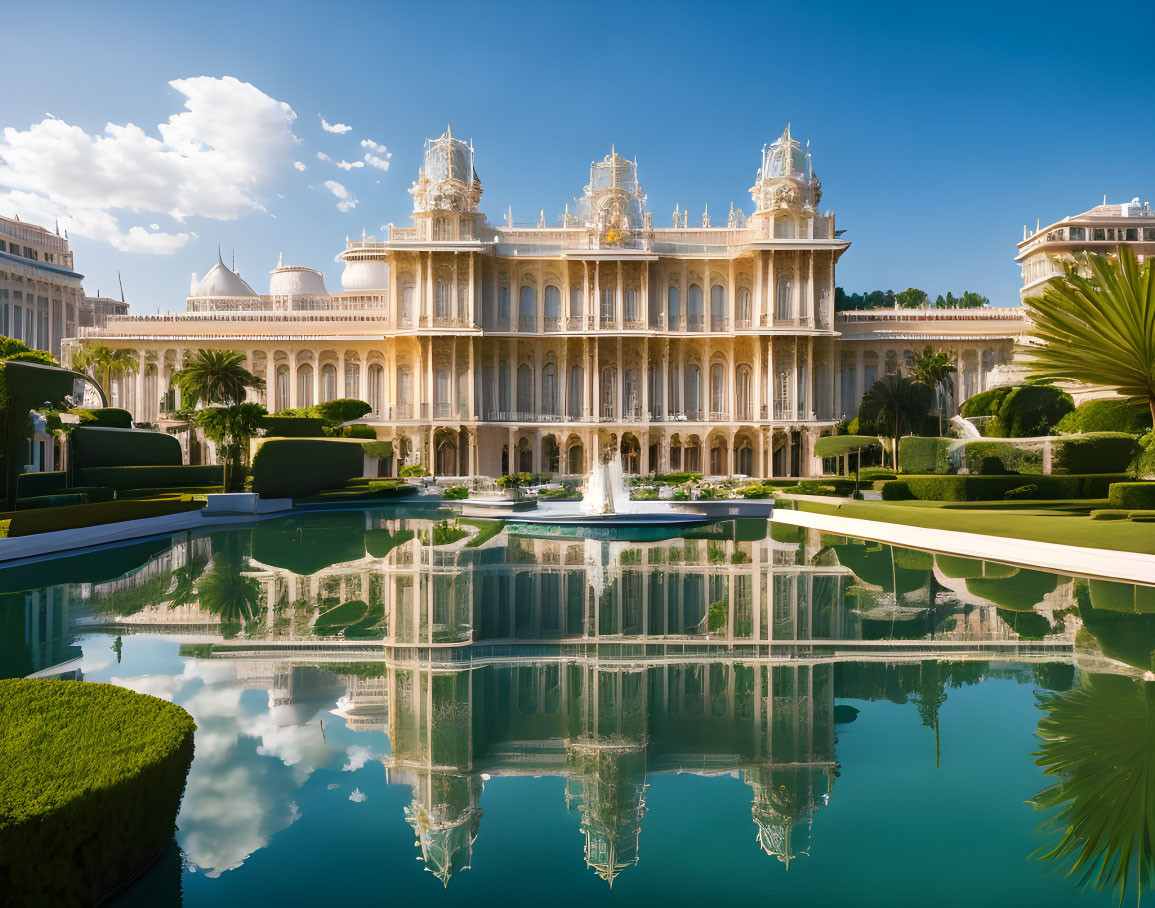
(358, 756)
(357, 796)
(247, 770)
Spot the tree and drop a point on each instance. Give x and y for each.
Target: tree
(231, 428)
(215, 377)
(912, 298)
(105, 364)
(843, 445)
(935, 370)
(1098, 329)
(971, 300)
(939, 302)
(224, 591)
(893, 402)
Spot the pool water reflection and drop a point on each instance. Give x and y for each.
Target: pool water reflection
(537, 719)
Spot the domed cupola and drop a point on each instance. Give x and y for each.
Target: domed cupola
(296, 280)
(447, 180)
(220, 281)
(786, 178)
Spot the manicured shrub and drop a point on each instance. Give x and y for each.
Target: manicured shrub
(124, 478)
(993, 488)
(757, 490)
(29, 485)
(1129, 495)
(104, 417)
(300, 467)
(924, 455)
(343, 409)
(1115, 415)
(91, 784)
(292, 426)
(1097, 452)
(1029, 410)
(49, 520)
(359, 431)
(414, 469)
(896, 490)
(869, 474)
(455, 493)
(676, 479)
(95, 493)
(994, 458)
(100, 447)
(985, 403)
(58, 500)
(1020, 493)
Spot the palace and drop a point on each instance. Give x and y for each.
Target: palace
(485, 349)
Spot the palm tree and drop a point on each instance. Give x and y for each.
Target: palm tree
(105, 364)
(215, 377)
(892, 402)
(935, 369)
(1098, 329)
(223, 591)
(230, 428)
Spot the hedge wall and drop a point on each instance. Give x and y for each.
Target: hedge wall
(1132, 416)
(104, 417)
(122, 478)
(49, 520)
(992, 458)
(924, 455)
(993, 488)
(96, 447)
(55, 500)
(92, 782)
(1095, 452)
(32, 484)
(298, 468)
(1132, 495)
(292, 426)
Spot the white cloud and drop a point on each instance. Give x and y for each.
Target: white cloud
(298, 165)
(347, 165)
(321, 156)
(375, 161)
(357, 796)
(358, 756)
(339, 128)
(372, 146)
(346, 201)
(211, 160)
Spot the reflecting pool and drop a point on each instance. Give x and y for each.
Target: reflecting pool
(394, 704)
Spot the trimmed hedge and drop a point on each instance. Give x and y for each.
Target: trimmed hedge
(455, 493)
(134, 477)
(292, 426)
(92, 780)
(1112, 415)
(29, 485)
(1095, 452)
(924, 455)
(104, 417)
(57, 500)
(994, 458)
(298, 468)
(98, 447)
(49, 520)
(993, 488)
(1028, 411)
(1132, 495)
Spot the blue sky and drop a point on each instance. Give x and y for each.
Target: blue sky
(938, 129)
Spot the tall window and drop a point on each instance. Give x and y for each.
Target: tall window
(607, 392)
(674, 306)
(630, 387)
(607, 305)
(694, 308)
(353, 380)
(304, 385)
(717, 388)
(524, 389)
(717, 306)
(783, 304)
(631, 304)
(743, 307)
(376, 380)
(575, 392)
(441, 300)
(282, 395)
(742, 393)
(441, 392)
(503, 305)
(549, 389)
(552, 302)
(328, 382)
(693, 392)
(405, 391)
(407, 305)
(575, 302)
(527, 307)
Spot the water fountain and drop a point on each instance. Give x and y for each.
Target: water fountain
(605, 490)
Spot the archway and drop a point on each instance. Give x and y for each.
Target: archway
(445, 454)
(631, 451)
(719, 462)
(575, 456)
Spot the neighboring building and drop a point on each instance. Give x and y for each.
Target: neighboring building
(485, 349)
(1048, 251)
(40, 294)
(95, 310)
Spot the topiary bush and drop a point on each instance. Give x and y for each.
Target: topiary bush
(1028, 411)
(897, 490)
(91, 778)
(994, 458)
(103, 417)
(1132, 495)
(292, 426)
(924, 455)
(455, 493)
(1113, 415)
(985, 403)
(1096, 452)
(101, 447)
(1021, 493)
(300, 467)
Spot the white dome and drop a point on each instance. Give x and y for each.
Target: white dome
(296, 280)
(220, 281)
(365, 276)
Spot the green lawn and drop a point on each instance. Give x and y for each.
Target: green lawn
(1063, 522)
(488, 529)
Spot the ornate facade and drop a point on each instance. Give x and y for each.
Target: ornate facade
(485, 349)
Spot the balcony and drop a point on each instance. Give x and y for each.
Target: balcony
(575, 323)
(552, 324)
(718, 323)
(527, 324)
(441, 411)
(719, 416)
(694, 322)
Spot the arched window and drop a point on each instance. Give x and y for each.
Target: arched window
(575, 302)
(607, 305)
(908, 359)
(441, 300)
(304, 385)
(552, 303)
(693, 393)
(575, 392)
(404, 392)
(549, 389)
(694, 308)
(891, 362)
(742, 393)
(352, 380)
(441, 229)
(503, 306)
(441, 393)
(328, 382)
(743, 307)
(282, 394)
(526, 308)
(407, 305)
(607, 401)
(717, 308)
(630, 387)
(631, 305)
(783, 304)
(375, 391)
(674, 306)
(717, 389)
(524, 389)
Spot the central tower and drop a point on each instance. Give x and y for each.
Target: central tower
(447, 190)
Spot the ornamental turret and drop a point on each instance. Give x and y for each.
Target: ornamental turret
(786, 179)
(447, 190)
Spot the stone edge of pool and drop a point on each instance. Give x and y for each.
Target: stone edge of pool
(1108, 564)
